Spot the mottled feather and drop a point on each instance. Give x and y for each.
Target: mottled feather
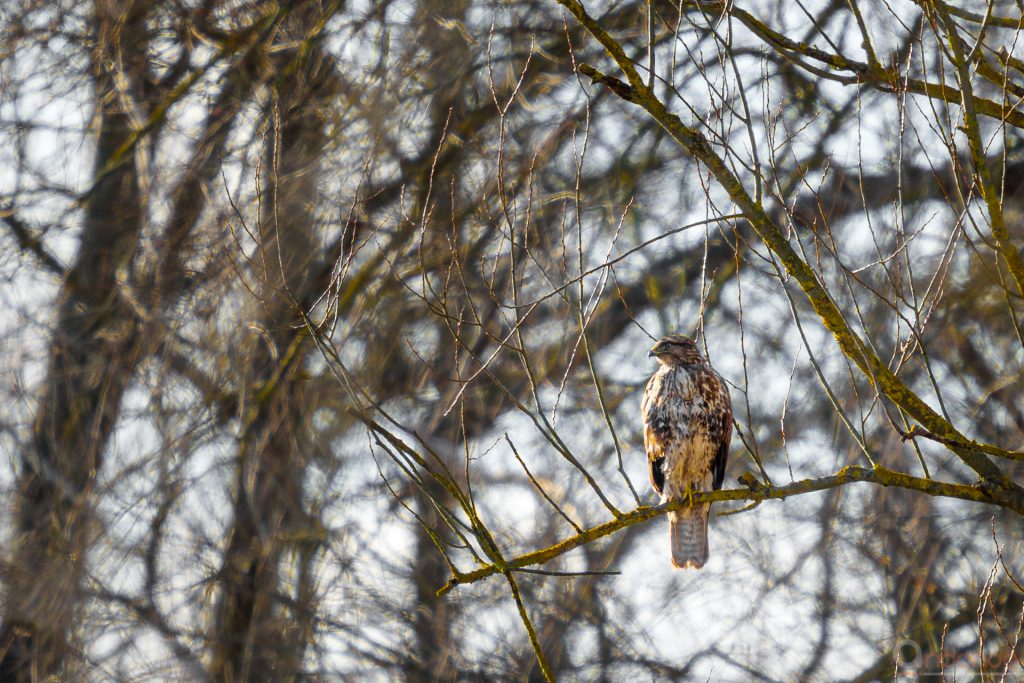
(687, 417)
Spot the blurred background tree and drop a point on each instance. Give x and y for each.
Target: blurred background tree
(326, 328)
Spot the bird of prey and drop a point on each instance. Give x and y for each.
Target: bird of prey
(687, 429)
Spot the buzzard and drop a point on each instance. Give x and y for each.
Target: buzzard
(687, 429)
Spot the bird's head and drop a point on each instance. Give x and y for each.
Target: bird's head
(675, 349)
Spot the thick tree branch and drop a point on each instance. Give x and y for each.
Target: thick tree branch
(876, 76)
(881, 476)
(1006, 247)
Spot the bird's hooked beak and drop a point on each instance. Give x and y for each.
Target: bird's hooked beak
(651, 354)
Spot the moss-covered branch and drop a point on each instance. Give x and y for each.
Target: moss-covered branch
(875, 74)
(989, 189)
(977, 493)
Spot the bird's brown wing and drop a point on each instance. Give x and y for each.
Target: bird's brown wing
(719, 461)
(655, 435)
(655, 448)
(722, 435)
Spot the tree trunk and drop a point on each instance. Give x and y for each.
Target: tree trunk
(93, 351)
(263, 622)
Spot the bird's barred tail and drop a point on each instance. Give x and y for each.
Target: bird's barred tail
(689, 530)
